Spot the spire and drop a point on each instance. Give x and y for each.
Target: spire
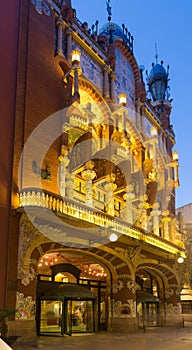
(109, 10)
(156, 53)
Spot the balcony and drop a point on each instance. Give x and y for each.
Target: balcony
(72, 209)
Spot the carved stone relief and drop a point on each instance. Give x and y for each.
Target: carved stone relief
(29, 238)
(41, 7)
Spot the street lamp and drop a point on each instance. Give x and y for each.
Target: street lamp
(175, 163)
(75, 57)
(113, 237)
(153, 131)
(180, 259)
(175, 156)
(75, 71)
(123, 99)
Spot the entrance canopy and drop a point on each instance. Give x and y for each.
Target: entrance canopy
(143, 297)
(61, 291)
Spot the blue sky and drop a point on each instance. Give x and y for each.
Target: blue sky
(169, 24)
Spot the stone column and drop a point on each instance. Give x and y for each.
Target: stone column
(113, 78)
(69, 44)
(138, 115)
(143, 216)
(166, 224)
(70, 185)
(60, 24)
(124, 304)
(127, 210)
(153, 146)
(88, 175)
(106, 82)
(76, 81)
(173, 305)
(155, 215)
(64, 162)
(110, 187)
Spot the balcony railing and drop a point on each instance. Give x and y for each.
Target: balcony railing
(66, 206)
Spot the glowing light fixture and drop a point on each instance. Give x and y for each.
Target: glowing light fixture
(113, 237)
(75, 56)
(153, 131)
(180, 260)
(175, 156)
(123, 99)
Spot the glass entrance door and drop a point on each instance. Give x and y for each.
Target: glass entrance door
(151, 314)
(66, 316)
(148, 315)
(51, 316)
(80, 316)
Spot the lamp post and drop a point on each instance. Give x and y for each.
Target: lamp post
(123, 103)
(75, 59)
(175, 164)
(123, 99)
(74, 71)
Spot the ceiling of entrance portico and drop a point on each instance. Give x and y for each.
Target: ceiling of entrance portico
(88, 267)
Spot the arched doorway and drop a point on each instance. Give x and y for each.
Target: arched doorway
(158, 301)
(65, 309)
(71, 294)
(147, 299)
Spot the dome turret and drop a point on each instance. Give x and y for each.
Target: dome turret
(112, 30)
(158, 81)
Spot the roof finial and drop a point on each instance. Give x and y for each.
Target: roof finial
(156, 53)
(109, 10)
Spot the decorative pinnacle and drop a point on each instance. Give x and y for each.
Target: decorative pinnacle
(109, 10)
(156, 53)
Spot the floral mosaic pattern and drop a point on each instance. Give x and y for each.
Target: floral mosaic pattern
(174, 309)
(118, 287)
(25, 307)
(125, 82)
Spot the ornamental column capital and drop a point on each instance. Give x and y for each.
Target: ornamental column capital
(60, 22)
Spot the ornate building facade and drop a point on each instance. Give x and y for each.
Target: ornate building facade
(184, 216)
(90, 239)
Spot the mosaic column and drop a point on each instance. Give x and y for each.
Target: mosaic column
(88, 175)
(64, 162)
(60, 24)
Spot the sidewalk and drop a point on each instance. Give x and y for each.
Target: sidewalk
(154, 339)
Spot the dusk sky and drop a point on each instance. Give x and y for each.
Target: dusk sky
(168, 24)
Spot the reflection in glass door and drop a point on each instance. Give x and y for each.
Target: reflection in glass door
(51, 316)
(151, 313)
(80, 316)
(148, 314)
